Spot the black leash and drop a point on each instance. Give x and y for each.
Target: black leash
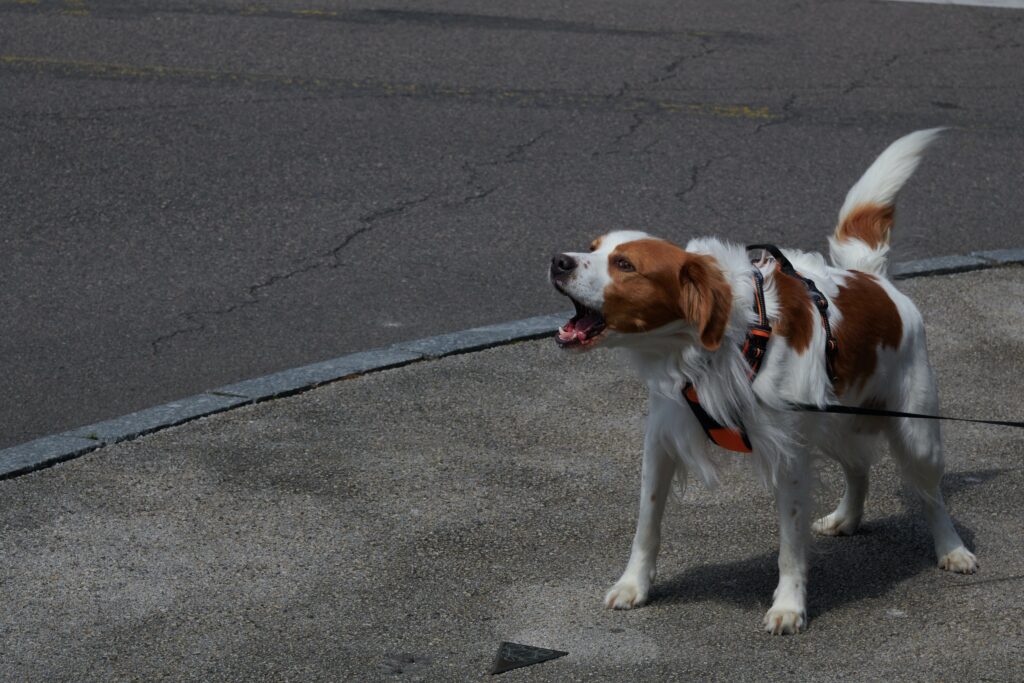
(754, 347)
(819, 300)
(880, 412)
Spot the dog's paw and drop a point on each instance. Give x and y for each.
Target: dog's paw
(836, 525)
(781, 621)
(626, 594)
(960, 560)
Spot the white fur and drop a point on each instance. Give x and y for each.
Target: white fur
(879, 186)
(784, 441)
(890, 171)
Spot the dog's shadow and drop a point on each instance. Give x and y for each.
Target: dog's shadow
(883, 553)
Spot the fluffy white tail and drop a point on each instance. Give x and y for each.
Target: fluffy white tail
(861, 238)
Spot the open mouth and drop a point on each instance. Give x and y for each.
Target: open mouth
(583, 329)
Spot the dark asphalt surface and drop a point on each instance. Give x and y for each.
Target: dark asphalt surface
(193, 193)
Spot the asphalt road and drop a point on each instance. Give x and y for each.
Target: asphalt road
(193, 193)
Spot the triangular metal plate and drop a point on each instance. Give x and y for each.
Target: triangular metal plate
(515, 656)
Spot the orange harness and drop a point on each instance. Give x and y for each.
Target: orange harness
(753, 351)
(754, 347)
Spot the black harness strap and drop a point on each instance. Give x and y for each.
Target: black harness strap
(758, 335)
(816, 296)
(754, 347)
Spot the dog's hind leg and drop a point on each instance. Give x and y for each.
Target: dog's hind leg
(917, 447)
(655, 483)
(788, 613)
(854, 454)
(844, 520)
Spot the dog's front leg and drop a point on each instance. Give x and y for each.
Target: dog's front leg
(788, 613)
(655, 482)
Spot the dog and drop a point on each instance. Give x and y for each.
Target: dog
(839, 333)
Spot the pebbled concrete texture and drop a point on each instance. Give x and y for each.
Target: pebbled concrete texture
(400, 525)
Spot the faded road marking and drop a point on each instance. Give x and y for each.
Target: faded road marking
(75, 8)
(382, 16)
(539, 99)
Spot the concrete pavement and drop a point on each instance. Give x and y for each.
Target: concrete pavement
(400, 525)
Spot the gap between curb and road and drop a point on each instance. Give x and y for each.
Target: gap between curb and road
(55, 448)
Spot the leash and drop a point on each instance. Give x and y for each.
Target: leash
(881, 412)
(754, 348)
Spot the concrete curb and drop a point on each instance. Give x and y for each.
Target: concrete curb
(56, 448)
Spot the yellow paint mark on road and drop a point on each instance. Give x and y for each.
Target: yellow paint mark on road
(314, 13)
(526, 98)
(75, 8)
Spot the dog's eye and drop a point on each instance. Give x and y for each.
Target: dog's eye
(624, 265)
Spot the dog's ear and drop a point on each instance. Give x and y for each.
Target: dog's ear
(705, 298)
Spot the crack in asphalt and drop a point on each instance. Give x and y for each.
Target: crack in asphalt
(513, 156)
(330, 259)
(695, 172)
(667, 72)
(788, 114)
(638, 121)
(873, 73)
(670, 70)
(516, 152)
(327, 259)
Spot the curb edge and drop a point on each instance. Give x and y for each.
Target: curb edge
(52, 449)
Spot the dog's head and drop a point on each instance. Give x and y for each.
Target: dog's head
(631, 285)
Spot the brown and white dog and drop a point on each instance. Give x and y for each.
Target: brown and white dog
(683, 315)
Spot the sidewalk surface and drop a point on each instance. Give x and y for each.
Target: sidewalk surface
(400, 525)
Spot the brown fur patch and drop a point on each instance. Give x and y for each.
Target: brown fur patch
(596, 244)
(869, 223)
(869, 319)
(666, 283)
(796, 312)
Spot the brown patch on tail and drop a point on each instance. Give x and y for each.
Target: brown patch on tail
(869, 223)
(869, 319)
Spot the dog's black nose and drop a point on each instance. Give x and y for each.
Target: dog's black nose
(562, 264)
